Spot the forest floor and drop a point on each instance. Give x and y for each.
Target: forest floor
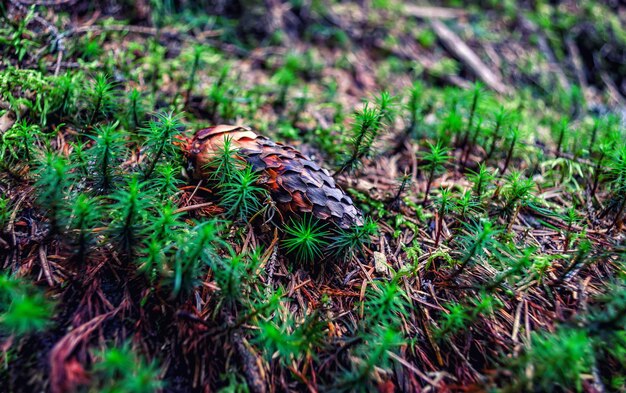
(483, 142)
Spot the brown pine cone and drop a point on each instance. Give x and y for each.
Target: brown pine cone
(295, 183)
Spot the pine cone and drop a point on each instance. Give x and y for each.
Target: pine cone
(295, 183)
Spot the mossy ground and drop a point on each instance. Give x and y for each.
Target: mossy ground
(498, 260)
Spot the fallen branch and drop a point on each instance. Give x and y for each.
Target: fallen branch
(542, 42)
(427, 12)
(410, 51)
(572, 48)
(61, 379)
(45, 266)
(459, 49)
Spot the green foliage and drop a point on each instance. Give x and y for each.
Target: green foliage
(387, 109)
(365, 129)
(237, 182)
(121, 369)
(477, 92)
(159, 141)
(18, 142)
(385, 306)
(106, 179)
(478, 238)
(372, 355)
(218, 92)
(427, 38)
(102, 98)
(562, 130)
(617, 176)
(455, 318)
(85, 214)
(197, 52)
(165, 180)
(195, 249)
(23, 308)
(451, 125)
(223, 164)
(444, 203)
(128, 213)
(482, 180)
(514, 264)
(458, 317)
(516, 191)
(434, 161)
(69, 86)
(235, 274)
(236, 383)
(415, 108)
(502, 117)
(513, 136)
(348, 242)
(290, 339)
(53, 181)
(18, 37)
(306, 238)
(29, 90)
(466, 206)
(105, 155)
(135, 109)
(240, 195)
(5, 211)
(555, 360)
(284, 78)
(609, 317)
(385, 302)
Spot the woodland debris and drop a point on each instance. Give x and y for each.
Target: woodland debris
(544, 46)
(427, 12)
(10, 116)
(380, 263)
(461, 50)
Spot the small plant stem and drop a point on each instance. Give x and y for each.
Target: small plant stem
(155, 159)
(567, 270)
(96, 110)
(496, 136)
(66, 95)
(479, 187)
(560, 142)
(431, 175)
(513, 217)
(596, 175)
(127, 228)
(282, 98)
(470, 145)
(135, 116)
(509, 155)
(594, 134)
(192, 77)
(618, 216)
(471, 119)
(355, 153)
(105, 169)
(396, 199)
(568, 237)
(439, 229)
(465, 261)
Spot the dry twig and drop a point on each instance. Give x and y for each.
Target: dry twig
(462, 51)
